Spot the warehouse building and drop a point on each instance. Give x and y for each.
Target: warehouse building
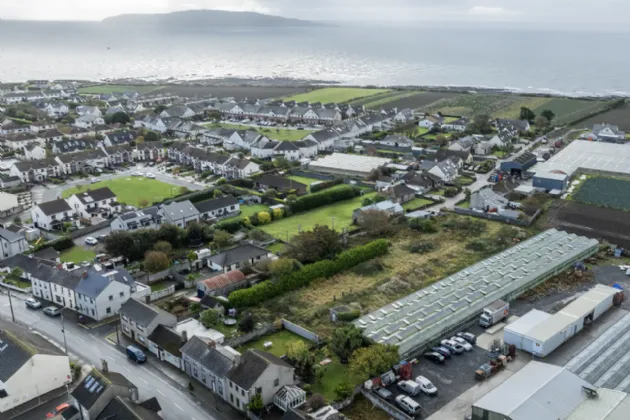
(540, 334)
(519, 165)
(546, 392)
(347, 165)
(423, 317)
(550, 181)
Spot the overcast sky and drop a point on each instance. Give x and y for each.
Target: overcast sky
(578, 12)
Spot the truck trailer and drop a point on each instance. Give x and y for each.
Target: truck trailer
(494, 313)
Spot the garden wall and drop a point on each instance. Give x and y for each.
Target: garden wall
(17, 289)
(161, 294)
(498, 217)
(250, 336)
(385, 406)
(301, 331)
(89, 229)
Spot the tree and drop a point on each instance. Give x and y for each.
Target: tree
(119, 242)
(257, 235)
(214, 114)
(527, 114)
(194, 233)
(16, 273)
(156, 261)
(144, 203)
(481, 124)
(270, 193)
(376, 223)
(195, 307)
(344, 341)
(120, 118)
(263, 218)
(222, 238)
(281, 162)
(256, 404)
(343, 390)
(549, 114)
(158, 109)
(151, 136)
(169, 233)
(366, 201)
(318, 244)
(163, 246)
(541, 122)
(209, 318)
(440, 139)
(191, 256)
(316, 402)
(371, 361)
(221, 181)
(302, 359)
(450, 192)
(283, 266)
(247, 323)
(183, 190)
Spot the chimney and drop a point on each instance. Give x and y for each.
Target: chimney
(184, 336)
(104, 368)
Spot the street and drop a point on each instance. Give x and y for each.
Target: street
(90, 348)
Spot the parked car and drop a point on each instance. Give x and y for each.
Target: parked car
(137, 174)
(442, 350)
(452, 346)
(136, 355)
(91, 241)
(407, 404)
(426, 385)
(33, 303)
(58, 410)
(384, 393)
(468, 337)
(150, 175)
(94, 180)
(465, 344)
(101, 238)
(52, 311)
(409, 387)
(434, 357)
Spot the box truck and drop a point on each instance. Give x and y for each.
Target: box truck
(494, 313)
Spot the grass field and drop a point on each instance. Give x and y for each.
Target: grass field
(132, 190)
(608, 192)
(415, 203)
(514, 111)
(102, 89)
(340, 212)
(280, 340)
(77, 254)
(251, 209)
(335, 94)
(568, 110)
(377, 103)
(303, 179)
(282, 134)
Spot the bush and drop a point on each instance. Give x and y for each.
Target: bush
(325, 184)
(343, 391)
(209, 318)
(349, 316)
(423, 225)
(312, 201)
(231, 226)
(325, 268)
(450, 191)
(60, 244)
(263, 218)
(421, 247)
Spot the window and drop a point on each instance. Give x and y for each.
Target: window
(93, 312)
(242, 392)
(276, 382)
(111, 297)
(232, 398)
(194, 372)
(125, 318)
(122, 294)
(231, 384)
(259, 390)
(109, 310)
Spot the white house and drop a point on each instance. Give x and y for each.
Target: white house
(608, 133)
(99, 295)
(38, 126)
(446, 170)
(52, 214)
(179, 111)
(404, 116)
(88, 121)
(57, 109)
(149, 218)
(100, 202)
(20, 140)
(34, 151)
(180, 213)
(89, 110)
(36, 170)
(459, 124)
(11, 243)
(236, 168)
(218, 207)
(430, 121)
(237, 258)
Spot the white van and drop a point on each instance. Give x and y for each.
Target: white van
(407, 404)
(410, 387)
(426, 385)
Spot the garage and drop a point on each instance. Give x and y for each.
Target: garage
(519, 165)
(516, 332)
(555, 180)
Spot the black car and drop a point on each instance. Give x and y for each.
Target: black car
(434, 357)
(442, 350)
(468, 337)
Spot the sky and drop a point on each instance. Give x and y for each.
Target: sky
(564, 12)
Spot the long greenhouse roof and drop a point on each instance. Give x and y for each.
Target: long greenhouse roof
(420, 317)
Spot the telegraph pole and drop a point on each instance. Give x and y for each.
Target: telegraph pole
(63, 330)
(11, 305)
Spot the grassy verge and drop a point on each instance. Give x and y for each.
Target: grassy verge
(335, 94)
(132, 190)
(77, 254)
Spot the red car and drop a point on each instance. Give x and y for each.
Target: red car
(58, 410)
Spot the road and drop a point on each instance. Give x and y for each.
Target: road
(89, 348)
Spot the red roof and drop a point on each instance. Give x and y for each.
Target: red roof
(219, 282)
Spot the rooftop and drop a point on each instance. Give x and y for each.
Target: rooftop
(588, 156)
(415, 320)
(343, 161)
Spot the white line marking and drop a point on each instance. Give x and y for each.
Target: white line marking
(79, 338)
(160, 392)
(175, 404)
(126, 368)
(111, 358)
(144, 381)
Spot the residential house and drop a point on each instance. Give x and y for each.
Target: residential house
(486, 199)
(153, 151)
(243, 139)
(430, 121)
(503, 138)
(88, 121)
(404, 116)
(119, 154)
(222, 284)
(178, 111)
(463, 144)
(180, 213)
(387, 206)
(217, 135)
(327, 412)
(88, 110)
(73, 145)
(280, 184)
(236, 168)
(290, 150)
(512, 125)
(459, 124)
(149, 218)
(324, 138)
(395, 140)
(218, 208)
(93, 203)
(50, 135)
(446, 170)
(52, 284)
(422, 182)
(19, 141)
(608, 133)
(164, 343)
(456, 156)
(100, 295)
(209, 363)
(37, 126)
(8, 181)
(76, 132)
(237, 258)
(97, 391)
(400, 193)
(113, 110)
(31, 369)
(56, 109)
(188, 129)
(483, 148)
(48, 254)
(36, 170)
(12, 243)
(117, 138)
(124, 408)
(34, 151)
(9, 127)
(85, 161)
(138, 320)
(258, 372)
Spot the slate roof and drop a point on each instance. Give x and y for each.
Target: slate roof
(56, 206)
(206, 354)
(57, 276)
(179, 210)
(88, 392)
(280, 183)
(454, 155)
(82, 156)
(10, 236)
(121, 137)
(72, 145)
(49, 133)
(19, 136)
(123, 409)
(49, 254)
(26, 165)
(597, 128)
(253, 363)
(238, 254)
(139, 312)
(520, 125)
(91, 284)
(215, 204)
(25, 262)
(402, 190)
(99, 194)
(167, 339)
(238, 163)
(150, 145)
(459, 122)
(223, 280)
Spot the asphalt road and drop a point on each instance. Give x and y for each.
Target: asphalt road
(90, 348)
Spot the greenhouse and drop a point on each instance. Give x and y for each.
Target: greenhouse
(417, 320)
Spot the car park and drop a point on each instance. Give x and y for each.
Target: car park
(384, 393)
(442, 350)
(452, 346)
(434, 357)
(52, 311)
(409, 387)
(408, 405)
(426, 385)
(91, 241)
(468, 337)
(33, 303)
(465, 344)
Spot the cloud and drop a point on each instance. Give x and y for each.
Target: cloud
(489, 11)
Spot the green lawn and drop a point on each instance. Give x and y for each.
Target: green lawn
(499, 153)
(280, 340)
(102, 89)
(251, 209)
(303, 179)
(342, 213)
(132, 190)
(335, 373)
(464, 205)
(438, 192)
(17, 283)
(335, 94)
(77, 254)
(273, 133)
(421, 130)
(465, 180)
(160, 285)
(416, 202)
(276, 247)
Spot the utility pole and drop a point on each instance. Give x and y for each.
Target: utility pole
(63, 330)
(11, 305)
(117, 336)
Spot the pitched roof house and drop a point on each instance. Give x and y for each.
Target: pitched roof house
(238, 257)
(222, 284)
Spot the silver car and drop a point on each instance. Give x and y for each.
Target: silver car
(52, 311)
(33, 303)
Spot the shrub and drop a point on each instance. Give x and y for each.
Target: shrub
(450, 191)
(325, 184)
(312, 201)
(61, 244)
(247, 323)
(325, 268)
(263, 218)
(209, 318)
(231, 226)
(277, 214)
(348, 316)
(343, 391)
(423, 225)
(421, 247)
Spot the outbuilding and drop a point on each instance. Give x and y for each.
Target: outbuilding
(516, 332)
(519, 165)
(555, 180)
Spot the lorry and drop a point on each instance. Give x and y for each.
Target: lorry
(494, 313)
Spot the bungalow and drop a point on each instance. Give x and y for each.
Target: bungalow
(37, 126)
(88, 121)
(400, 193)
(139, 320)
(280, 184)
(150, 151)
(512, 125)
(218, 208)
(57, 109)
(34, 151)
(459, 124)
(119, 137)
(73, 145)
(386, 206)
(395, 140)
(178, 111)
(180, 213)
(12, 243)
(99, 202)
(430, 121)
(36, 170)
(238, 257)
(149, 218)
(608, 133)
(404, 116)
(485, 199)
(223, 284)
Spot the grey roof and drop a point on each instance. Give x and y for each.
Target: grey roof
(215, 204)
(253, 363)
(121, 137)
(401, 190)
(27, 263)
(279, 182)
(419, 318)
(448, 167)
(53, 207)
(10, 236)
(123, 409)
(459, 122)
(177, 110)
(597, 128)
(386, 205)
(206, 354)
(50, 133)
(139, 312)
(99, 194)
(72, 145)
(58, 276)
(167, 339)
(326, 134)
(91, 284)
(238, 163)
(49, 254)
(520, 125)
(179, 210)
(26, 165)
(238, 254)
(88, 392)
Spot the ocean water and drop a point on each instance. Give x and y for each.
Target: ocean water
(573, 63)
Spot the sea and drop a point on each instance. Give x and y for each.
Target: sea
(566, 62)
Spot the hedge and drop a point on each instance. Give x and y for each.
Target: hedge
(325, 184)
(321, 269)
(231, 226)
(312, 201)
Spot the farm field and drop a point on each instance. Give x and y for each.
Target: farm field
(282, 134)
(102, 89)
(420, 101)
(608, 192)
(619, 117)
(568, 110)
(335, 94)
(473, 104)
(376, 103)
(514, 111)
(132, 190)
(238, 92)
(340, 212)
(77, 254)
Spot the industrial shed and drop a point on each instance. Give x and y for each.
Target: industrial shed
(348, 165)
(520, 164)
(540, 335)
(421, 318)
(555, 180)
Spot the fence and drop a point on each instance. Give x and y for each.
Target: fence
(161, 294)
(302, 332)
(498, 217)
(17, 289)
(322, 177)
(14, 210)
(385, 406)
(254, 335)
(89, 229)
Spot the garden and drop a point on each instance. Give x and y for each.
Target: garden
(77, 254)
(605, 192)
(273, 133)
(135, 191)
(416, 203)
(335, 94)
